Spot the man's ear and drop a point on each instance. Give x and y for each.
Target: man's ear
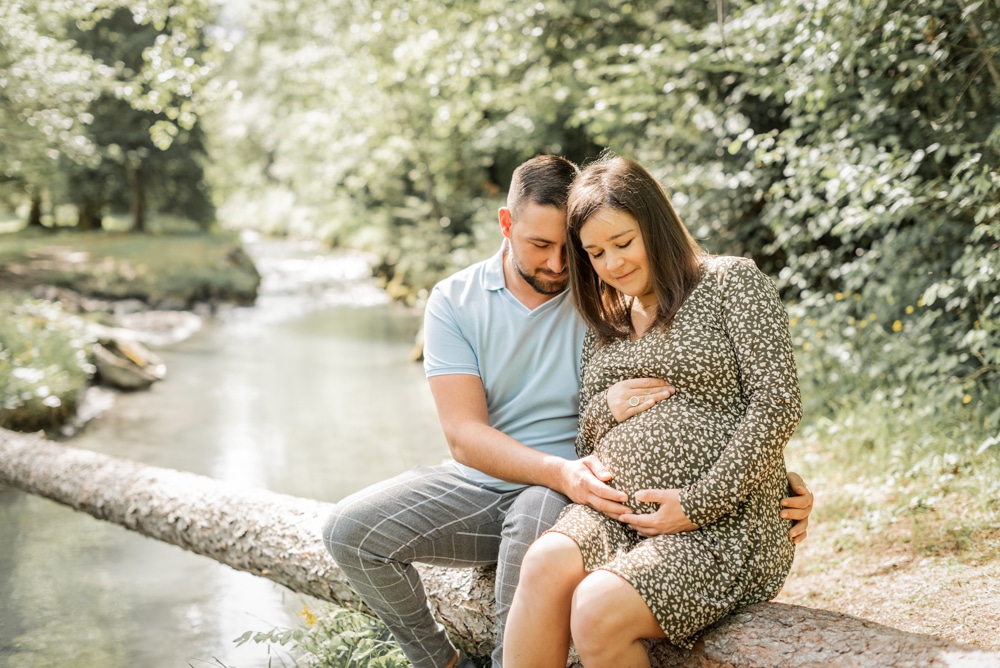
(505, 221)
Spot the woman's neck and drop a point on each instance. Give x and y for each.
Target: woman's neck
(643, 314)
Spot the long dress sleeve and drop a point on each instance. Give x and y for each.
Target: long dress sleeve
(757, 326)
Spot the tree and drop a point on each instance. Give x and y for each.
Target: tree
(851, 148)
(277, 536)
(48, 84)
(854, 150)
(51, 86)
(136, 166)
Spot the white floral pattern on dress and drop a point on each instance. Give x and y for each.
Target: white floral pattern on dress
(720, 439)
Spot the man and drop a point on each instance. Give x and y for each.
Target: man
(502, 354)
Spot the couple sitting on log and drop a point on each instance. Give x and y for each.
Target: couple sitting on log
(617, 400)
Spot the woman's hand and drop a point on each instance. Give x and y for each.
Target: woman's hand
(797, 507)
(668, 518)
(634, 395)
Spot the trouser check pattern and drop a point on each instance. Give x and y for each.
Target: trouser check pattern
(433, 515)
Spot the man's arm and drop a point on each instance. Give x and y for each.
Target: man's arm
(461, 407)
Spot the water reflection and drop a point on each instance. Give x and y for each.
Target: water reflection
(309, 393)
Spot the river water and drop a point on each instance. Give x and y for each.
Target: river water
(310, 392)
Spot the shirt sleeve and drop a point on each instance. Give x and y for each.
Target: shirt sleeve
(596, 419)
(757, 327)
(447, 348)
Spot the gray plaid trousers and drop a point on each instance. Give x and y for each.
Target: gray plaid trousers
(433, 515)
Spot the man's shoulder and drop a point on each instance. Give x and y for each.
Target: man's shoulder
(467, 283)
(466, 275)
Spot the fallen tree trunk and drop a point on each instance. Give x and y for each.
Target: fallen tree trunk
(278, 537)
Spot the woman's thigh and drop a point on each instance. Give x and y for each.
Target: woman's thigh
(686, 580)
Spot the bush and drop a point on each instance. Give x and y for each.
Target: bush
(44, 368)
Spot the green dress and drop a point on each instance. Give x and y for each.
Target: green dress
(719, 439)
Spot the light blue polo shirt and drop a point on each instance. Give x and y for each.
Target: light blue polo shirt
(528, 360)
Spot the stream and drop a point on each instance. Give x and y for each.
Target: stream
(310, 392)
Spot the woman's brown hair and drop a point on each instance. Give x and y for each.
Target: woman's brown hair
(621, 184)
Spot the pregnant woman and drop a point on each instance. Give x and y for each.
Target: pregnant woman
(704, 470)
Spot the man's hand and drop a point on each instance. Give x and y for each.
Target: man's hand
(634, 395)
(668, 518)
(797, 507)
(586, 483)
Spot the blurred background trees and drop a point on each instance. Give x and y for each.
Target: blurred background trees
(100, 105)
(851, 147)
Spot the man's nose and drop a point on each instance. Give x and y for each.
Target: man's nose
(557, 261)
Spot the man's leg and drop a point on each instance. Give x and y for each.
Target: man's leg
(533, 512)
(430, 515)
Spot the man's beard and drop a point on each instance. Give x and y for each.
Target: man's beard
(539, 285)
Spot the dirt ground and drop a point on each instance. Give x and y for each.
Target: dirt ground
(953, 596)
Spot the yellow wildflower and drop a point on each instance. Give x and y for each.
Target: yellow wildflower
(897, 326)
(967, 398)
(307, 615)
(909, 310)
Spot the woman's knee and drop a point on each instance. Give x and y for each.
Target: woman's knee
(604, 612)
(553, 559)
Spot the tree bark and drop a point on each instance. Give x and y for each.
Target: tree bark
(278, 537)
(35, 214)
(89, 216)
(138, 199)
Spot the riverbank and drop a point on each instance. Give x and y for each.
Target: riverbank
(77, 308)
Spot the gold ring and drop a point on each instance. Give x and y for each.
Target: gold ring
(634, 401)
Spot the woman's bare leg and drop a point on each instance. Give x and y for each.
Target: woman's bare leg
(609, 620)
(537, 633)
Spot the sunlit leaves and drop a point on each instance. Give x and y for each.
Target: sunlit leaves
(836, 141)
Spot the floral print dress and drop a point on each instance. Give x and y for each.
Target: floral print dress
(719, 439)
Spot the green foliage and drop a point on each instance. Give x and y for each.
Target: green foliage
(338, 638)
(96, 94)
(852, 149)
(44, 366)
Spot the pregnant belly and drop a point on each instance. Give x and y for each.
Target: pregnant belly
(670, 445)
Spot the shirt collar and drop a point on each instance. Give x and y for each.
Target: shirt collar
(493, 278)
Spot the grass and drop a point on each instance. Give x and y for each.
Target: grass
(44, 366)
(906, 524)
(913, 476)
(175, 270)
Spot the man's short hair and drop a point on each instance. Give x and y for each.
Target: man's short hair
(544, 180)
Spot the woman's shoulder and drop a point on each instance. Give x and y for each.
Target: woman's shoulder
(717, 268)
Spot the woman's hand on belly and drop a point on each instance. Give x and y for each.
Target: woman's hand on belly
(668, 518)
(634, 395)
